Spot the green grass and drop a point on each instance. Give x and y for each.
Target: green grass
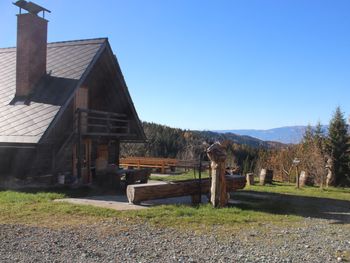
(38, 208)
(204, 216)
(179, 177)
(338, 193)
(251, 211)
(281, 188)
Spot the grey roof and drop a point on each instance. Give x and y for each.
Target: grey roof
(66, 64)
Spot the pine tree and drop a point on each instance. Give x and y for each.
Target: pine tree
(308, 135)
(319, 137)
(338, 147)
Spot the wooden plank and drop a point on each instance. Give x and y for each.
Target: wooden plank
(150, 160)
(117, 135)
(160, 162)
(81, 101)
(104, 119)
(118, 127)
(104, 112)
(104, 126)
(89, 160)
(137, 164)
(79, 152)
(144, 192)
(143, 165)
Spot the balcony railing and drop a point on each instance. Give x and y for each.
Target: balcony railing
(101, 123)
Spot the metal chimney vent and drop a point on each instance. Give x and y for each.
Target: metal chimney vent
(31, 7)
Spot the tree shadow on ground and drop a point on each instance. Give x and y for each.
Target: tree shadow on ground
(338, 211)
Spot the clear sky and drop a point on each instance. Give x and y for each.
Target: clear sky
(200, 64)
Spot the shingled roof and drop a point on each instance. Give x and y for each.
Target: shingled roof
(67, 63)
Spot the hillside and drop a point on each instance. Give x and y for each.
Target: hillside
(164, 141)
(288, 134)
(239, 139)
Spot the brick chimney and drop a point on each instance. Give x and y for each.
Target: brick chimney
(31, 48)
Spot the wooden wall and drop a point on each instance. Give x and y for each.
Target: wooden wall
(16, 161)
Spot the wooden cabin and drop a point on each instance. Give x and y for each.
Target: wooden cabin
(64, 106)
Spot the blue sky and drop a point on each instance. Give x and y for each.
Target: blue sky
(211, 65)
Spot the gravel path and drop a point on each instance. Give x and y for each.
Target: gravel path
(313, 240)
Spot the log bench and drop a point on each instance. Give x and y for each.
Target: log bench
(143, 192)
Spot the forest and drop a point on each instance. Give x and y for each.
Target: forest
(318, 149)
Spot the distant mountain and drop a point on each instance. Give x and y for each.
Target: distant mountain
(239, 139)
(289, 134)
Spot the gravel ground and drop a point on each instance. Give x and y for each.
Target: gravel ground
(312, 240)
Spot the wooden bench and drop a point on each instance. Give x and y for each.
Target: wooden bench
(143, 192)
(148, 162)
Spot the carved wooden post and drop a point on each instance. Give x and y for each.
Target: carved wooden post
(262, 177)
(330, 177)
(303, 178)
(217, 156)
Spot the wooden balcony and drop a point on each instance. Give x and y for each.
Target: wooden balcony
(90, 123)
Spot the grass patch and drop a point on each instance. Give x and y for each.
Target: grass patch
(39, 209)
(338, 193)
(179, 177)
(204, 216)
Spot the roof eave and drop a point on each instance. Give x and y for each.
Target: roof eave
(18, 145)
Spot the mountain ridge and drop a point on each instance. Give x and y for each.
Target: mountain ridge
(286, 134)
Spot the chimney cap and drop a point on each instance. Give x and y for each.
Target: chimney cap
(30, 7)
